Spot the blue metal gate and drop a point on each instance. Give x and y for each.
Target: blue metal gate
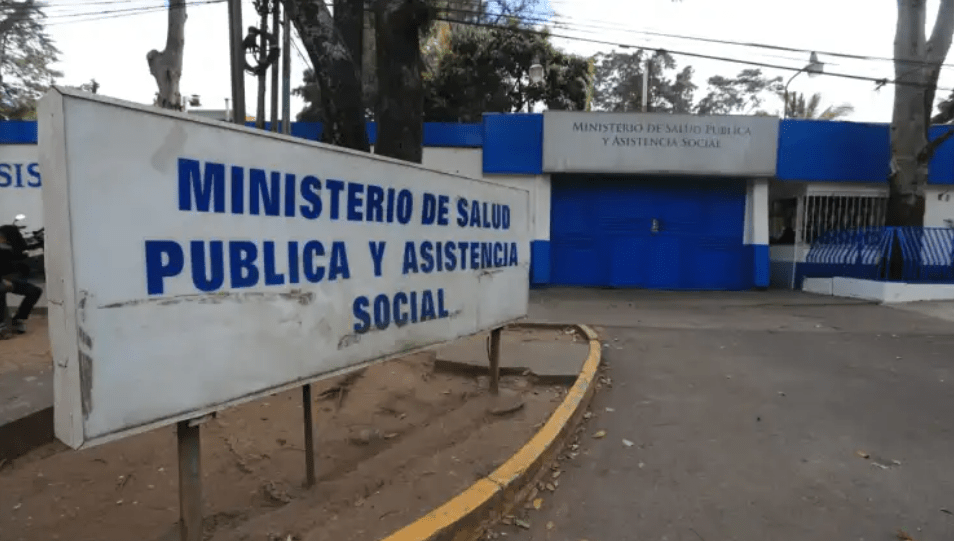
(653, 233)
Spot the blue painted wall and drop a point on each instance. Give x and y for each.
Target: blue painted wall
(17, 132)
(513, 144)
(601, 233)
(827, 151)
(436, 134)
(808, 150)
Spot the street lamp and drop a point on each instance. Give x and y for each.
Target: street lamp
(813, 69)
(536, 71)
(536, 77)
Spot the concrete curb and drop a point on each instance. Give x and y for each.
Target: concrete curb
(463, 518)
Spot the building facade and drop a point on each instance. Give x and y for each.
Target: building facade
(640, 199)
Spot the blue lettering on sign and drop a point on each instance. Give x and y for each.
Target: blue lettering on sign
(216, 264)
(483, 215)
(399, 309)
(441, 256)
(246, 263)
(20, 175)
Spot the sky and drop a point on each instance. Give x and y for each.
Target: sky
(112, 47)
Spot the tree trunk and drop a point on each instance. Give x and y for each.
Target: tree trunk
(400, 107)
(166, 66)
(349, 20)
(917, 66)
(335, 72)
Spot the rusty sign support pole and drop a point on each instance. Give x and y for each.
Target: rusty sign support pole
(309, 436)
(190, 480)
(495, 361)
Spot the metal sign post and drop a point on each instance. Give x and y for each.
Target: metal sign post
(306, 405)
(495, 361)
(188, 434)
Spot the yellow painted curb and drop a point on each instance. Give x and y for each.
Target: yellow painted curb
(461, 518)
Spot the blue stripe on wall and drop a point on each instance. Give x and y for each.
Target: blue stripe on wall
(829, 151)
(436, 134)
(513, 143)
(539, 262)
(18, 132)
(762, 264)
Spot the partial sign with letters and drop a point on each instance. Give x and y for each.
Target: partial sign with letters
(20, 185)
(194, 265)
(598, 142)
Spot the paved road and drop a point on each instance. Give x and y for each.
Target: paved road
(747, 411)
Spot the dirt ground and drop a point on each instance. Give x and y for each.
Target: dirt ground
(393, 442)
(27, 351)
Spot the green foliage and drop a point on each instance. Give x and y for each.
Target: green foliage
(618, 84)
(311, 93)
(742, 94)
(26, 56)
(487, 71)
(799, 107)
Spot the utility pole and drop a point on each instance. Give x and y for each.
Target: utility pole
(276, 24)
(237, 56)
(262, 59)
(286, 73)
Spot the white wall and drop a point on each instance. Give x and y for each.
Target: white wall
(20, 184)
(938, 206)
(469, 162)
(757, 212)
(460, 161)
(539, 186)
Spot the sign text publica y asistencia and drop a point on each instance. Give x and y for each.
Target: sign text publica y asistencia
(214, 264)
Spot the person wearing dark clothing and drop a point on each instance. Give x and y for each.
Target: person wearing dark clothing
(13, 275)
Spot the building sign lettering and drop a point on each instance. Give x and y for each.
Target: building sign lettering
(586, 142)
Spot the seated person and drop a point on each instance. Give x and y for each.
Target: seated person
(13, 274)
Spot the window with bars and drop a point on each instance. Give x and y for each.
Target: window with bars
(822, 213)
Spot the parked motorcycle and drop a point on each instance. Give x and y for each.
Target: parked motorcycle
(29, 242)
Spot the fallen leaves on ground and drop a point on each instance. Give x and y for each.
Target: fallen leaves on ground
(599, 434)
(538, 503)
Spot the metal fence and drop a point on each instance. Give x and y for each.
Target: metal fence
(821, 214)
(927, 254)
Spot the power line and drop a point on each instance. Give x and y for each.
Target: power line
(879, 81)
(118, 13)
(602, 25)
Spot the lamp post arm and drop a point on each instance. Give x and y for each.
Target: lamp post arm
(785, 105)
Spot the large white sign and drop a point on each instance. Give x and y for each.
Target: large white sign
(588, 142)
(194, 265)
(20, 183)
